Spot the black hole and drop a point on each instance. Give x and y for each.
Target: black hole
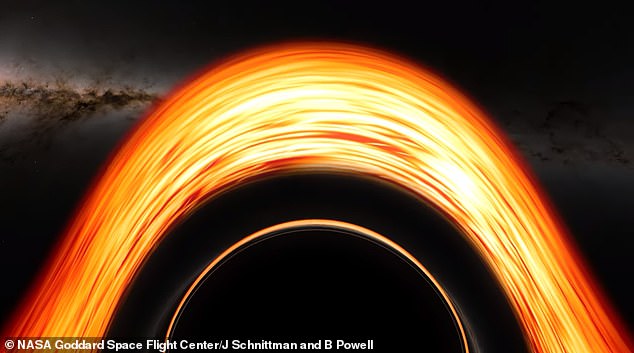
(320, 284)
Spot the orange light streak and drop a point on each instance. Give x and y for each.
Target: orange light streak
(329, 108)
(339, 226)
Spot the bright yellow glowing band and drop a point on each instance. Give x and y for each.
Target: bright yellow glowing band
(321, 107)
(322, 224)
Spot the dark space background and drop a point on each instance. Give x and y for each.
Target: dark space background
(556, 77)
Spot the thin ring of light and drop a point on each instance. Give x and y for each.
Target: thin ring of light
(321, 224)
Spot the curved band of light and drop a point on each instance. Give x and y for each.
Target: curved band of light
(321, 224)
(326, 107)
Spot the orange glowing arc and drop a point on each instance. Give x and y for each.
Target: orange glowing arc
(321, 107)
(340, 226)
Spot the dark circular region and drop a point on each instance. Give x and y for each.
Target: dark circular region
(181, 256)
(313, 285)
